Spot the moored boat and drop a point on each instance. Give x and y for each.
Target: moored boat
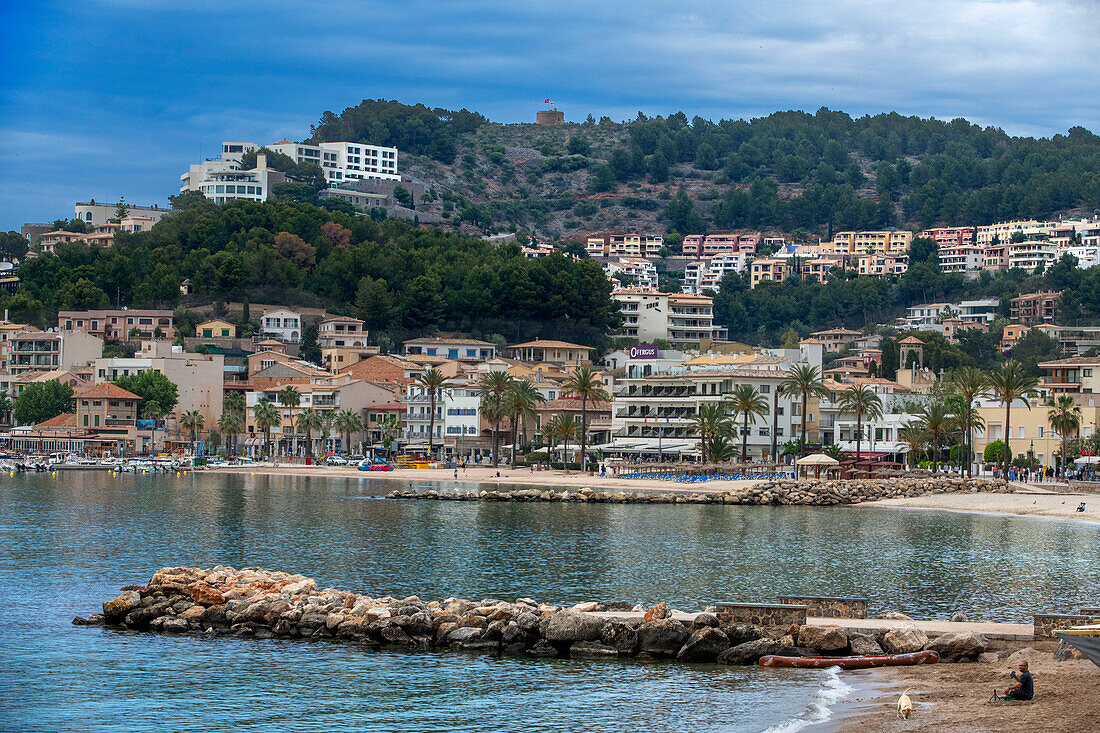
(861, 662)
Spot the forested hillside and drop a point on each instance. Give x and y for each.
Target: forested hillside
(400, 279)
(788, 171)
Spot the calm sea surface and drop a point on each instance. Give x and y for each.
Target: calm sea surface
(67, 543)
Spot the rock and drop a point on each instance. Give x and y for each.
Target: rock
(741, 633)
(466, 633)
(140, 617)
(1066, 652)
(543, 649)
(623, 637)
(206, 595)
(1020, 655)
(302, 586)
(958, 617)
(526, 621)
(418, 623)
(904, 640)
(964, 645)
(95, 619)
(116, 609)
(592, 649)
(894, 615)
(658, 612)
(514, 650)
(395, 635)
(704, 645)
(483, 646)
(571, 627)
(195, 611)
(750, 652)
(704, 619)
(824, 638)
(863, 645)
(173, 625)
(988, 658)
(586, 607)
(663, 637)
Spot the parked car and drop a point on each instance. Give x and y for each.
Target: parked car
(336, 461)
(368, 464)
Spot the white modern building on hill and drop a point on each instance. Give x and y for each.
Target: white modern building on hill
(343, 161)
(224, 180)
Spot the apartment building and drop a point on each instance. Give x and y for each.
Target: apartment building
(120, 324)
(698, 245)
(1030, 431)
(457, 427)
(926, 314)
(950, 236)
(962, 257)
(864, 243)
(1002, 232)
(470, 351)
(105, 405)
(820, 267)
(623, 244)
(881, 265)
(224, 180)
(1073, 339)
(981, 310)
(198, 377)
(636, 271)
(652, 414)
(1031, 254)
(344, 161)
(43, 351)
(1078, 374)
(548, 351)
(707, 274)
(1035, 308)
(767, 269)
(682, 319)
(282, 324)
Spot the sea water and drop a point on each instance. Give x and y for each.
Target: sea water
(67, 542)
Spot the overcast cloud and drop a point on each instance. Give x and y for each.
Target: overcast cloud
(118, 97)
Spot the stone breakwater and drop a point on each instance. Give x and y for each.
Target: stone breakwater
(252, 602)
(794, 492)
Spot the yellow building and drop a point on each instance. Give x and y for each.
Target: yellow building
(1030, 430)
(215, 328)
(893, 242)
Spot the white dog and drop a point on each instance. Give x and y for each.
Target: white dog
(905, 705)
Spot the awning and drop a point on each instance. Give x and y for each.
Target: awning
(1086, 460)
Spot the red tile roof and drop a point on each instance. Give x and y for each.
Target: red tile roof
(105, 390)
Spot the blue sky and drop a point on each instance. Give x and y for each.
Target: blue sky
(102, 98)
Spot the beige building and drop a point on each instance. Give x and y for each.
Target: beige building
(682, 319)
(36, 351)
(561, 353)
(1030, 430)
(863, 243)
(105, 405)
(836, 339)
(767, 269)
(215, 329)
(1079, 374)
(623, 244)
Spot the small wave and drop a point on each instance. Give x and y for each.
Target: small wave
(832, 690)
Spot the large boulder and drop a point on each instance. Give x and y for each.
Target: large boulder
(1066, 652)
(623, 637)
(704, 645)
(904, 639)
(662, 638)
(740, 633)
(570, 627)
(704, 619)
(206, 595)
(750, 652)
(863, 645)
(116, 609)
(658, 612)
(964, 645)
(824, 638)
(466, 633)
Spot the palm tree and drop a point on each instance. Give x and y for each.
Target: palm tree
(433, 382)
(709, 423)
(1007, 384)
(152, 411)
(348, 422)
(520, 403)
(913, 435)
(721, 449)
(804, 382)
(938, 424)
(267, 416)
(192, 421)
(231, 424)
(862, 401)
(968, 384)
(561, 428)
(390, 427)
(585, 384)
(1064, 416)
(5, 408)
(309, 420)
(492, 387)
(328, 418)
(747, 402)
(234, 402)
(289, 396)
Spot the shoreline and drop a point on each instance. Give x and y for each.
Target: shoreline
(1031, 505)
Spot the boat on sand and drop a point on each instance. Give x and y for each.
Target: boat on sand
(860, 662)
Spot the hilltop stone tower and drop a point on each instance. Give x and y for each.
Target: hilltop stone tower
(549, 117)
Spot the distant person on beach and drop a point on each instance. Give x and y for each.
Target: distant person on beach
(1023, 688)
(1082, 508)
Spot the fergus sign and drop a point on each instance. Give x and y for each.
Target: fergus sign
(643, 352)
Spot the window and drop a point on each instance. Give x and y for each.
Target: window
(1086, 372)
(1041, 431)
(1022, 433)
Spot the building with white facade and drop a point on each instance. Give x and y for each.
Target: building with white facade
(681, 319)
(342, 161)
(223, 180)
(457, 417)
(707, 274)
(638, 271)
(282, 324)
(96, 215)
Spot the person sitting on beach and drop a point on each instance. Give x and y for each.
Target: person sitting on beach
(1023, 688)
(1081, 507)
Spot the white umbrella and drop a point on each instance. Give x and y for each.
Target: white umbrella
(818, 459)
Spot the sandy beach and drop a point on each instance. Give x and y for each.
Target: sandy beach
(950, 697)
(1059, 506)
